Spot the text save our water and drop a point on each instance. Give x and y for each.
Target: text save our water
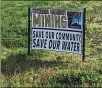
(56, 40)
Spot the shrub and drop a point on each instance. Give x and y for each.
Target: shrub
(76, 79)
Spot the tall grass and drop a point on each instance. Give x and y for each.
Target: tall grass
(49, 68)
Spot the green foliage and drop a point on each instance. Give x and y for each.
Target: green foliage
(76, 79)
(53, 69)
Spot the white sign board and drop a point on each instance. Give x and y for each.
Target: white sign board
(55, 29)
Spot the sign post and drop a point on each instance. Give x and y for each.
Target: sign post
(83, 50)
(29, 30)
(57, 30)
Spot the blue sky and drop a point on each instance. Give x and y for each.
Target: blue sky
(76, 20)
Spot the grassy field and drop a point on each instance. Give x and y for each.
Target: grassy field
(49, 68)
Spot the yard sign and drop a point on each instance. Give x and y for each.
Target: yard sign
(57, 29)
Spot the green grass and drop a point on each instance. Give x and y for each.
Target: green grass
(49, 68)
